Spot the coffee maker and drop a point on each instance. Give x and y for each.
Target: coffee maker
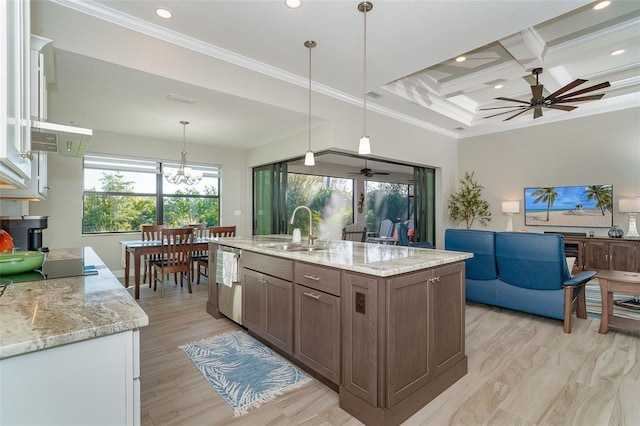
(26, 231)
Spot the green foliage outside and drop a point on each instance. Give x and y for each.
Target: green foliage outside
(386, 201)
(125, 213)
(331, 202)
(467, 205)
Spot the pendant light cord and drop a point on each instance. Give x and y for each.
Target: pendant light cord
(310, 47)
(364, 78)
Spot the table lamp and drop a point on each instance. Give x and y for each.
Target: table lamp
(510, 207)
(630, 206)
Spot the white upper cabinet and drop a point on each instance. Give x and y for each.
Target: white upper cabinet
(15, 132)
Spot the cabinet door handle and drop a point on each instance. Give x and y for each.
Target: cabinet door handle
(434, 280)
(262, 281)
(312, 277)
(311, 295)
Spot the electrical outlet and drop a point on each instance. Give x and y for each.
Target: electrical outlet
(361, 302)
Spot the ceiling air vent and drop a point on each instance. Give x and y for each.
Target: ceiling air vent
(180, 98)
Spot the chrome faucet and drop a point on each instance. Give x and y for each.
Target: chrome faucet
(293, 215)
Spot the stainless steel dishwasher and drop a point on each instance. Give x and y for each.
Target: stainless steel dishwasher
(229, 283)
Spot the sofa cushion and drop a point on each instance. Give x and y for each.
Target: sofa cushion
(482, 266)
(535, 261)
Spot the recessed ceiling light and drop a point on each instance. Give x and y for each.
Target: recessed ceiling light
(461, 58)
(498, 86)
(602, 5)
(164, 13)
(293, 4)
(617, 52)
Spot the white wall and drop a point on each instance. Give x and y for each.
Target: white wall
(601, 149)
(64, 202)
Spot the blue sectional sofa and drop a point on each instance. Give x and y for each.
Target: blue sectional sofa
(522, 271)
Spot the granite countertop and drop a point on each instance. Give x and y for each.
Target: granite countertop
(37, 315)
(381, 260)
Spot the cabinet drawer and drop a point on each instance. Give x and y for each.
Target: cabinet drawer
(274, 266)
(320, 278)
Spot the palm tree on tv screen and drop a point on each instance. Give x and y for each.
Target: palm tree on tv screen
(545, 195)
(602, 194)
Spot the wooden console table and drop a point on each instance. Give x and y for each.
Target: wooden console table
(621, 282)
(604, 253)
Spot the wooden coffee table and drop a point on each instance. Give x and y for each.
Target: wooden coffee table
(620, 282)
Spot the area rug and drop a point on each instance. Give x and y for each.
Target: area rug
(594, 303)
(244, 371)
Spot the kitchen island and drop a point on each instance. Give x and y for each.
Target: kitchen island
(69, 348)
(384, 325)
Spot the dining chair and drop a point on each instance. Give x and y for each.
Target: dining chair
(214, 232)
(150, 233)
(354, 232)
(200, 230)
(175, 258)
(386, 228)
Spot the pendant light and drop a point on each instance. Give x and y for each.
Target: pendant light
(184, 174)
(309, 160)
(365, 146)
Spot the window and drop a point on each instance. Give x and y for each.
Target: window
(387, 201)
(121, 194)
(329, 198)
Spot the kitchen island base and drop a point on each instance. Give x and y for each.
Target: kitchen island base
(375, 416)
(384, 324)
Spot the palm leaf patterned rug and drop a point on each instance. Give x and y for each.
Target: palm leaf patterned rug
(244, 371)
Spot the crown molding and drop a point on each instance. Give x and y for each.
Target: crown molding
(115, 17)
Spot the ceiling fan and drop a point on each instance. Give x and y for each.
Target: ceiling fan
(367, 172)
(555, 100)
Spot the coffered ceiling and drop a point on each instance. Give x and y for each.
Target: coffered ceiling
(111, 75)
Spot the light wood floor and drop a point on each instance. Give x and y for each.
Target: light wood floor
(522, 370)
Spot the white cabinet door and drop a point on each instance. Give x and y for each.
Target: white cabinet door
(86, 383)
(15, 82)
(36, 187)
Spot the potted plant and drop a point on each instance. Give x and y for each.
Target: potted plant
(467, 205)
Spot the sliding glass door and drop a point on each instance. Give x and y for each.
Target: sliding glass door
(269, 199)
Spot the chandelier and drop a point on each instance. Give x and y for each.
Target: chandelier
(184, 174)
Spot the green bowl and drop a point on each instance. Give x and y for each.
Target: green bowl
(20, 261)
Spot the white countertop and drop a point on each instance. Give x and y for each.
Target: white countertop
(38, 315)
(381, 260)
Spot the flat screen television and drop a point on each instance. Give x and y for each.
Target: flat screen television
(580, 206)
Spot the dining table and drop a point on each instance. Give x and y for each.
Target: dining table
(139, 248)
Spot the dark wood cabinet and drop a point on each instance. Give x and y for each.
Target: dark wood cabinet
(424, 337)
(619, 255)
(317, 318)
(267, 301)
(403, 341)
(317, 331)
(359, 302)
(603, 253)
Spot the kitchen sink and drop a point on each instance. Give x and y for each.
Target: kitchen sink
(294, 247)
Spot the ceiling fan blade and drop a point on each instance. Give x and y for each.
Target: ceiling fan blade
(563, 107)
(537, 112)
(536, 92)
(380, 173)
(580, 99)
(513, 100)
(507, 112)
(586, 90)
(521, 112)
(566, 88)
(503, 107)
